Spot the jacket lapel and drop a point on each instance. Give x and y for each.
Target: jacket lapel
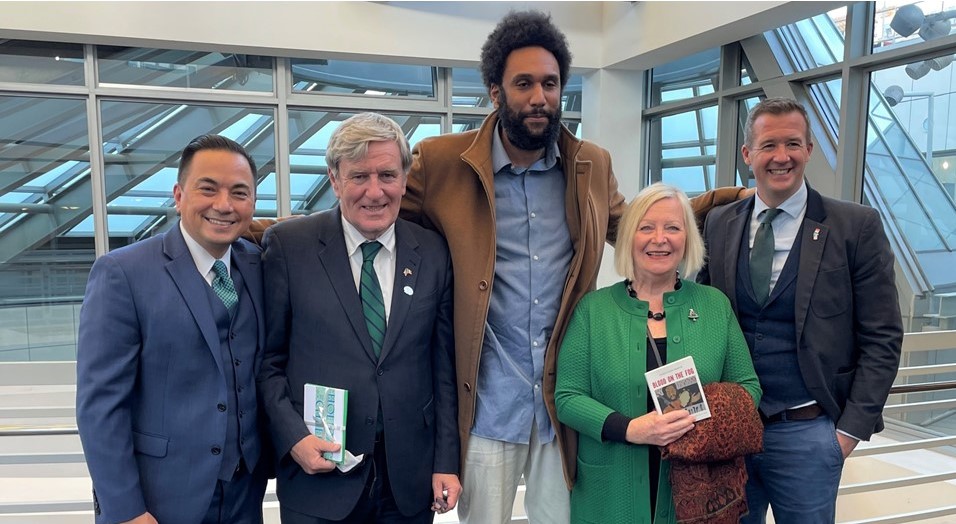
(735, 232)
(182, 269)
(247, 263)
(813, 240)
(334, 259)
(403, 291)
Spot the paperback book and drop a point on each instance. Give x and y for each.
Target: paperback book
(676, 386)
(325, 410)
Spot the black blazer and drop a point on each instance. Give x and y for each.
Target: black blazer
(847, 313)
(316, 334)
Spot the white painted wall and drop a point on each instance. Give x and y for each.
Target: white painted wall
(635, 35)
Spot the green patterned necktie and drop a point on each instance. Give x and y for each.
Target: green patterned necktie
(223, 286)
(761, 256)
(373, 306)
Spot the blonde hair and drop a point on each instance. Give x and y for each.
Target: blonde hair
(694, 251)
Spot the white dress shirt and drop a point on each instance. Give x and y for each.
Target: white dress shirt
(384, 262)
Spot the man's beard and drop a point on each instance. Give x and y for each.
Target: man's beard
(518, 133)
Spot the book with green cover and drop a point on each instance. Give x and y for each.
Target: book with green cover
(325, 410)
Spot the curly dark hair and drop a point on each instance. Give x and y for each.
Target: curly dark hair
(520, 29)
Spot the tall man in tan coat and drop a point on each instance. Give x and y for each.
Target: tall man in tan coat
(525, 208)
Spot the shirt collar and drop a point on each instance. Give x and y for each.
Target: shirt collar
(501, 160)
(201, 257)
(792, 206)
(354, 239)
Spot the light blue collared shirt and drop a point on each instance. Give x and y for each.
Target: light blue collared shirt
(533, 255)
(786, 226)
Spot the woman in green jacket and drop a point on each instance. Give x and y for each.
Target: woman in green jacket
(619, 332)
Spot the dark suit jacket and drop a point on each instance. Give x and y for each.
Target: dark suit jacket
(317, 334)
(149, 379)
(847, 314)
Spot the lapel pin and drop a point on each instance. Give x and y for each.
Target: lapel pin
(407, 272)
(408, 290)
(816, 234)
(692, 315)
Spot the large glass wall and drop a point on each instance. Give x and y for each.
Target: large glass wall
(62, 202)
(883, 120)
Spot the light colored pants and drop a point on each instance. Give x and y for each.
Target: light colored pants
(492, 471)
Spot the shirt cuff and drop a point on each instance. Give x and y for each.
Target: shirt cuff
(840, 431)
(615, 428)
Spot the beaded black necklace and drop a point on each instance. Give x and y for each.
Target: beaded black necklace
(660, 315)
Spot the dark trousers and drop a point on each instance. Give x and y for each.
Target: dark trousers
(797, 474)
(375, 506)
(239, 500)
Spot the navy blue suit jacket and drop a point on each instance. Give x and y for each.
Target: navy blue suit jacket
(317, 334)
(847, 315)
(149, 379)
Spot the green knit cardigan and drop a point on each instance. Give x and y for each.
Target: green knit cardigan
(601, 370)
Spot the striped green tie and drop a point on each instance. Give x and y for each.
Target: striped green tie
(223, 286)
(371, 292)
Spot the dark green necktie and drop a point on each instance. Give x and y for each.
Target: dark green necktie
(223, 286)
(371, 293)
(761, 256)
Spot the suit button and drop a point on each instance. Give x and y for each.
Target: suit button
(759, 336)
(381, 371)
(239, 389)
(232, 335)
(467, 386)
(237, 362)
(241, 413)
(216, 450)
(221, 406)
(483, 285)
(369, 420)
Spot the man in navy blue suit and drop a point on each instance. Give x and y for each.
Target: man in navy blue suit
(170, 341)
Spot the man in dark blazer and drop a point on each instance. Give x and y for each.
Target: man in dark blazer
(820, 300)
(400, 375)
(170, 340)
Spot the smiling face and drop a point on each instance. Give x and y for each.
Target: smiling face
(659, 241)
(529, 99)
(370, 189)
(778, 154)
(216, 199)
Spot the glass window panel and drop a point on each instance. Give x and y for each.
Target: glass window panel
(687, 145)
(909, 122)
(362, 78)
(309, 133)
(900, 23)
(744, 175)
(691, 180)
(41, 62)
(573, 91)
(685, 78)
(45, 190)
(141, 147)
(826, 97)
(810, 43)
(747, 75)
(184, 69)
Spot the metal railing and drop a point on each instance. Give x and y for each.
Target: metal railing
(924, 439)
